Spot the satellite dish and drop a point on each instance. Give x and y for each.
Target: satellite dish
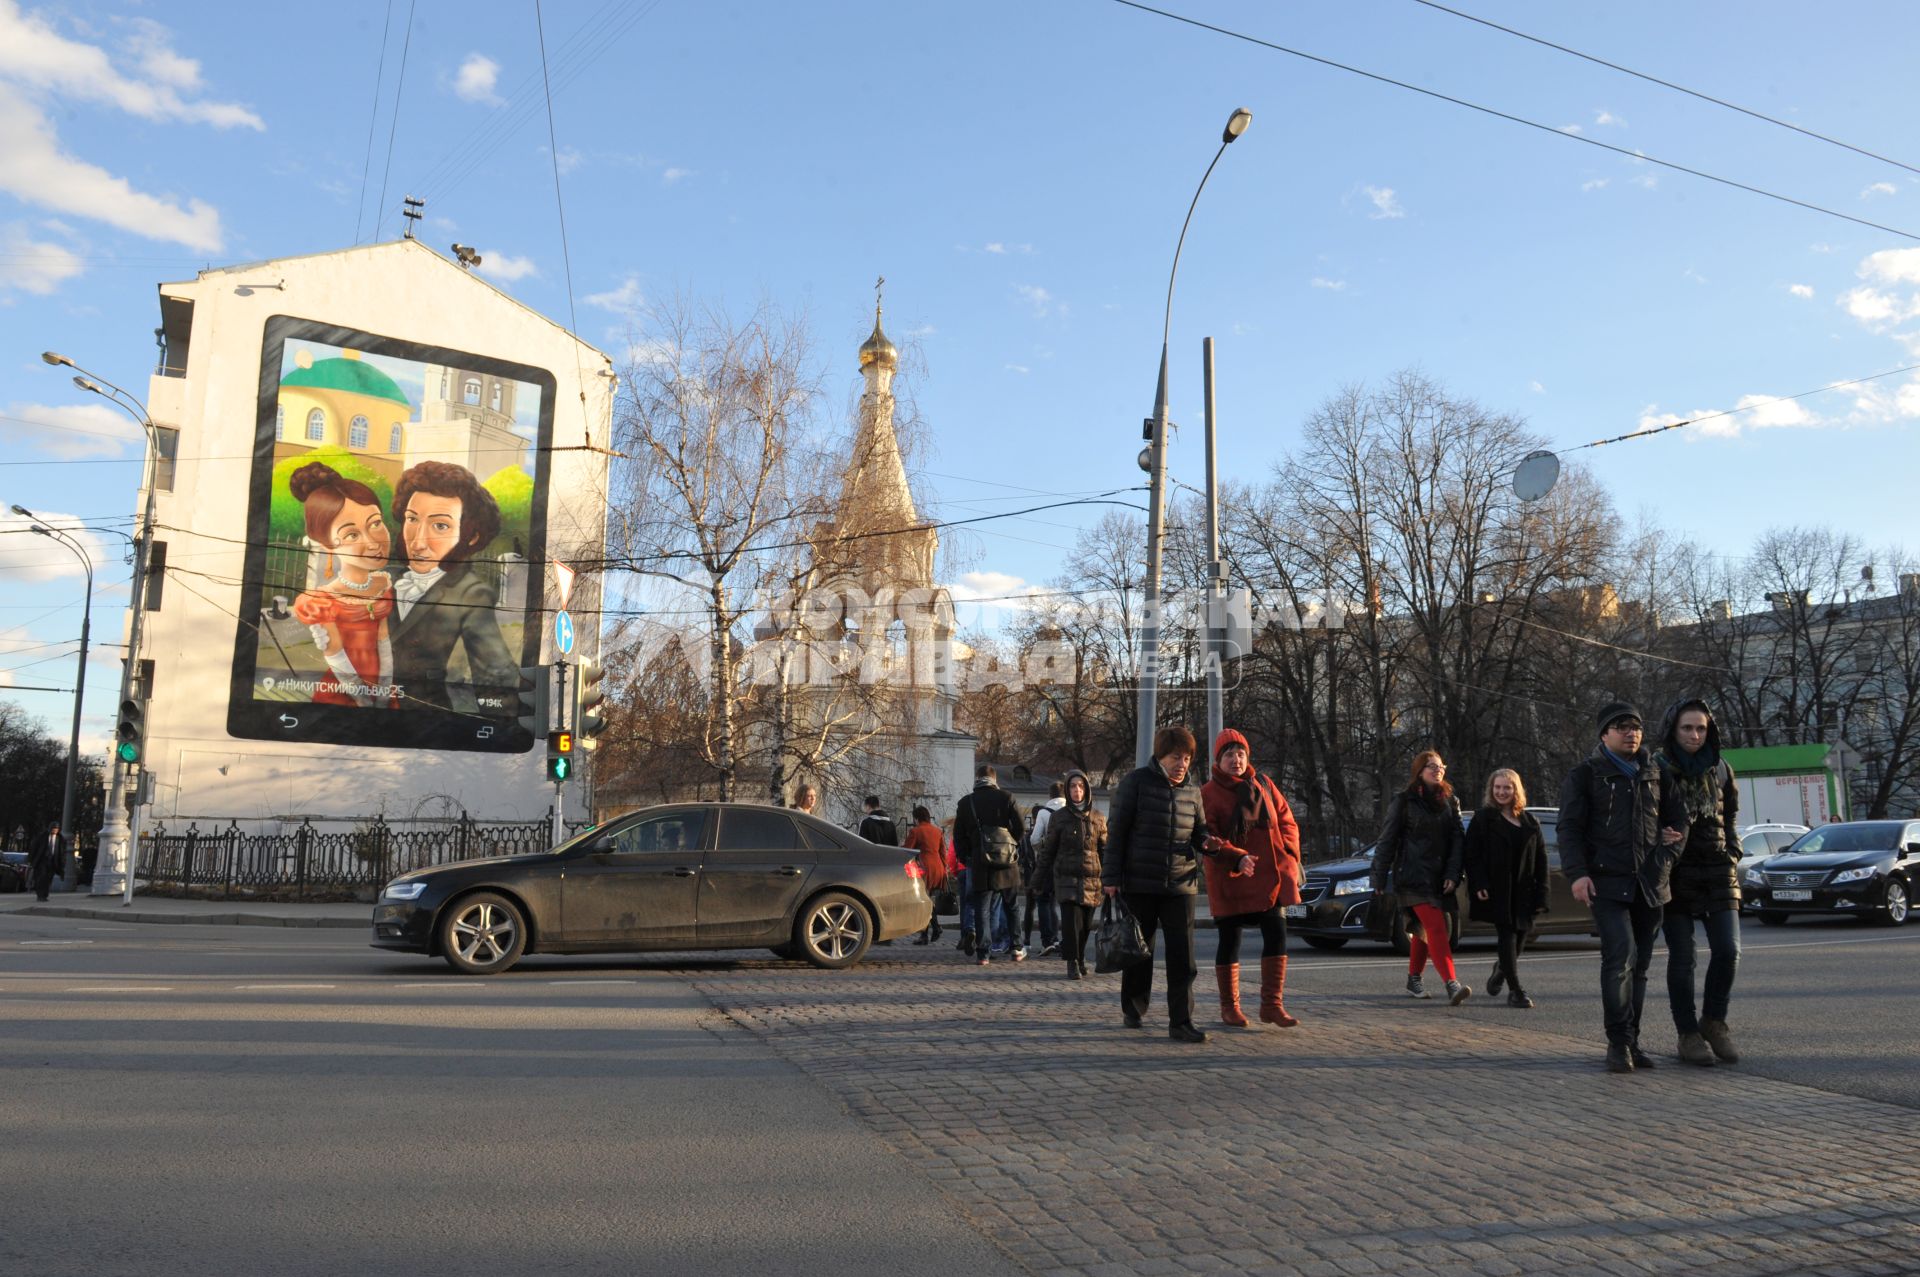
(1536, 475)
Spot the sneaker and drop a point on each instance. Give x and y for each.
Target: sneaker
(1518, 998)
(966, 943)
(1131, 1021)
(1048, 950)
(1186, 1033)
(983, 961)
(1719, 1040)
(1496, 982)
(923, 938)
(1618, 1061)
(1457, 992)
(1019, 955)
(1694, 1050)
(1641, 1060)
(1415, 989)
(1075, 971)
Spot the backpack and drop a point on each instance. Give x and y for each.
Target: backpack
(997, 847)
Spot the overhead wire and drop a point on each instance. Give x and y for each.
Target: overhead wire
(1677, 88)
(373, 119)
(1511, 118)
(1729, 412)
(393, 130)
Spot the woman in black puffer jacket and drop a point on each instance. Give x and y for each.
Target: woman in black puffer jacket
(1069, 860)
(1706, 879)
(1420, 854)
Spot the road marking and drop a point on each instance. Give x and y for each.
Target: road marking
(1533, 955)
(54, 942)
(440, 984)
(593, 982)
(122, 988)
(254, 988)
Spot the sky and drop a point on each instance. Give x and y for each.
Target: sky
(1018, 172)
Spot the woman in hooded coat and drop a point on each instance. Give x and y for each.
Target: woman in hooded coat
(1251, 889)
(1069, 858)
(1419, 854)
(1706, 880)
(1506, 876)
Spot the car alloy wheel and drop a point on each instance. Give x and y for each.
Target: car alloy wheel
(482, 934)
(833, 931)
(1897, 906)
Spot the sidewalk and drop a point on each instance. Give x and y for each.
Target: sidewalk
(165, 909)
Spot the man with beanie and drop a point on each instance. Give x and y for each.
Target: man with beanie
(1616, 827)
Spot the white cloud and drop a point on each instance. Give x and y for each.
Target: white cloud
(36, 57)
(622, 299)
(35, 170)
(1693, 276)
(1607, 119)
(1022, 369)
(1907, 400)
(652, 350)
(1573, 129)
(1820, 248)
(994, 248)
(34, 266)
(569, 160)
(477, 79)
(1879, 188)
(1645, 181)
(501, 266)
(1385, 205)
(991, 589)
(72, 430)
(1764, 415)
(1892, 265)
(673, 175)
(1596, 184)
(55, 562)
(1536, 388)
(1043, 302)
(922, 330)
(1801, 290)
(1331, 285)
(1872, 307)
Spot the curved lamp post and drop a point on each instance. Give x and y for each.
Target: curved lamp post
(62, 537)
(1154, 461)
(113, 869)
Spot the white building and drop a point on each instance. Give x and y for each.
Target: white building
(257, 715)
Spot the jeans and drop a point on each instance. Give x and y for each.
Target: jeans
(1723, 947)
(1175, 913)
(997, 907)
(1049, 912)
(970, 917)
(1627, 930)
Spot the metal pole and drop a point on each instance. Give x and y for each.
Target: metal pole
(1216, 646)
(113, 870)
(1148, 705)
(79, 693)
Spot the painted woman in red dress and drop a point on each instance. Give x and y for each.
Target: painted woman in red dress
(348, 615)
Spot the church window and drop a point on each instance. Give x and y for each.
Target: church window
(443, 383)
(357, 433)
(496, 396)
(393, 438)
(280, 422)
(316, 426)
(470, 391)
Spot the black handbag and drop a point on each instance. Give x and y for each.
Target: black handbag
(998, 850)
(1118, 944)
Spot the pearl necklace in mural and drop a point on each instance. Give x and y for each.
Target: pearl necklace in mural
(369, 604)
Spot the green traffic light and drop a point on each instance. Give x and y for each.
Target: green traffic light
(559, 767)
(128, 751)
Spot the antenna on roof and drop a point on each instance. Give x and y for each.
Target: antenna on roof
(412, 212)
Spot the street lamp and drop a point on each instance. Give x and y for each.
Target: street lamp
(1154, 460)
(113, 870)
(62, 537)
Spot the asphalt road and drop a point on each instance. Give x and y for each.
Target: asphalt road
(1827, 1004)
(207, 1099)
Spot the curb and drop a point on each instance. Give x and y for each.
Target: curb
(123, 914)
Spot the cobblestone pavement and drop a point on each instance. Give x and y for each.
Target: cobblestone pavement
(1381, 1136)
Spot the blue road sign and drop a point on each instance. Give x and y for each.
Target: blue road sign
(563, 633)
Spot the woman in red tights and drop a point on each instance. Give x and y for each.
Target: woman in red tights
(1419, 859)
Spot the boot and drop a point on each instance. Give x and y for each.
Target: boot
(966, 943)
(1229, 978)
(1693, 1050)
(1517, 997)
(1719, 1040)
(1273, 986)
(1496, 981)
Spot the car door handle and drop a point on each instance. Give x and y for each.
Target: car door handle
(791, 871)
(681, 871)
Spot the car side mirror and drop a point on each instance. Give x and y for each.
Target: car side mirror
(1913, 849)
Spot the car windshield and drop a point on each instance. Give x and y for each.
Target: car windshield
(1868, 835)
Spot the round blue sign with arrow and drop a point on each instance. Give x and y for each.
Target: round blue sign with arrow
(563, 633)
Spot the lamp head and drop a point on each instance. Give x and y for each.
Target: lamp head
(55, 358)
(84, 384)
(23, 512)
(1236, 125)
(39, 531)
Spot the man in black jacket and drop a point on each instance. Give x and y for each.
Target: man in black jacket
(986, 833)
(1617, 826)
(878, 827)
(47, 860)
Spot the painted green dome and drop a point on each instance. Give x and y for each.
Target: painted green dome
(355, 376)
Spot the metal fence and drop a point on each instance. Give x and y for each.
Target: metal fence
(315, 861)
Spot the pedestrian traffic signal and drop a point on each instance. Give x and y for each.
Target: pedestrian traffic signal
(559, 766)
(559, 742)
(589, 719)
(535, 691)
(130, 732)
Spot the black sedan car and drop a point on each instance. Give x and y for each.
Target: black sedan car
(1337, 898)
(1863, 868)
(699, 876)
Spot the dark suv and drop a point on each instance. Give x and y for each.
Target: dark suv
(1336, 899)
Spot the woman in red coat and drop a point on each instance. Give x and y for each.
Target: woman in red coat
(1246, 810)
(927, 842)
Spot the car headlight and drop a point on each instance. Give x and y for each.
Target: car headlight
(1754, 878)
(1352, 886)
(1856, 875)
(403, 891)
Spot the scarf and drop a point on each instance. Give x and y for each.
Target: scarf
(1251, 808)
(1628, 767)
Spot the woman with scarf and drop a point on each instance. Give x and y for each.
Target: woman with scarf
(927, 843)
(1069, 857)
(1706, 880)
(1506, 876)
(1254, 880)
(1418, 858)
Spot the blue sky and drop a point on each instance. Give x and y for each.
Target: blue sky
(1018, 172)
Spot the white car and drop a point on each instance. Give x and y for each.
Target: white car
(1760, 841)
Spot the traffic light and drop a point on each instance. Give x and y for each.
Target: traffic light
(559, 742)
(536, 694)
(130, 732)
(589, 720)
(559, 766)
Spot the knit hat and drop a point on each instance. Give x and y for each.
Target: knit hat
(1614, 712)
(1226, 738)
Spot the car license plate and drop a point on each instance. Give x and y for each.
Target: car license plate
(1792, 894)
(1296, 911)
